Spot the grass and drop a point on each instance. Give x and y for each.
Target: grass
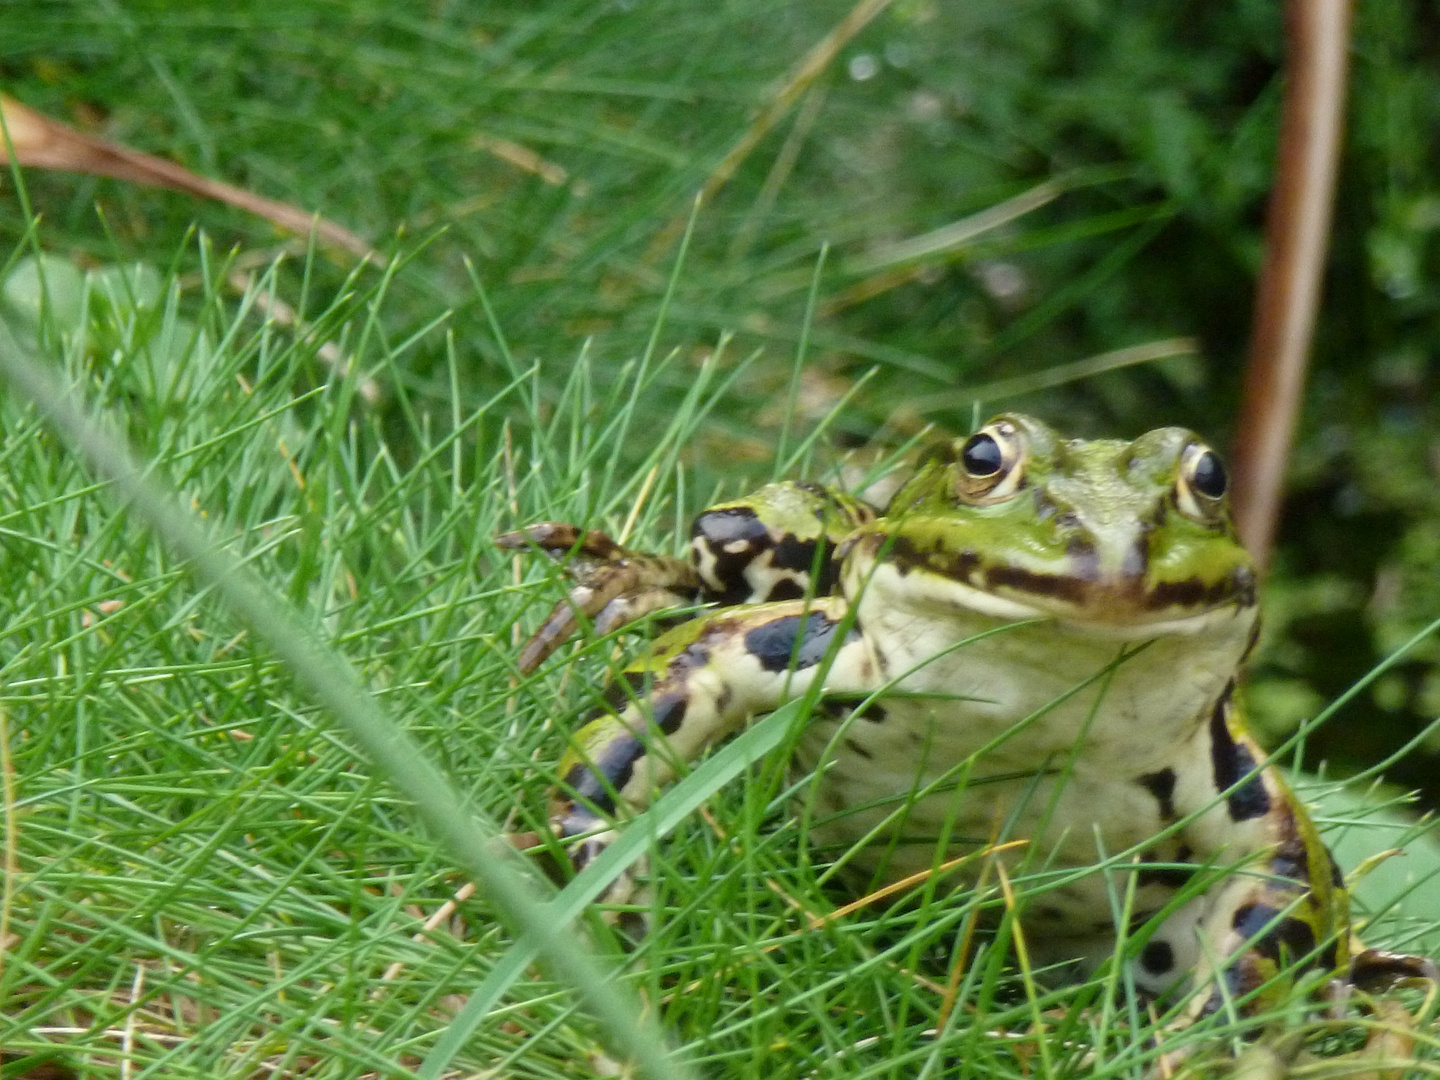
(228, 851)
(209, 871)
(559, 147)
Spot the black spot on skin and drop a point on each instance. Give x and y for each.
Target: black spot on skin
(728, 524)
(1162, 785)
(1157, 957)
(1215, 1000)
(696, 655)
(839, 706)
(799, 639)
(1291, 860)
(786, 589)
(722, 699)
(576, 774)
(610, 771)
(1240, 977)
(1287, 938)
(1232, 763)
(620, 693)
(1339, 952)
(855, 748)
(1051, 913)
(669, 712)
(720, 529)
(798, 555)
(580, 856)
(1376, 970)
(1337, 876)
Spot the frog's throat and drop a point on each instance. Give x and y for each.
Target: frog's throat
(1117, 613)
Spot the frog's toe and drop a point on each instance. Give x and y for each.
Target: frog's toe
(613, 585)
(610, 597)
(1376, 969)
(561, 538)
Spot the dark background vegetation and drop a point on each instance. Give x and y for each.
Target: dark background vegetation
(1158, 121)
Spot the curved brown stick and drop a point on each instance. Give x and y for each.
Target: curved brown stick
(41, 142)
(1296, 234)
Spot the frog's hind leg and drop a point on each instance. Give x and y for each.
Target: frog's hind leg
(700, 683)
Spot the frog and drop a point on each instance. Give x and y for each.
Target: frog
(1039, 639)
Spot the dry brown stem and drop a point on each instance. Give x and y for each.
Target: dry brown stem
(1296, 233)
(44, 143)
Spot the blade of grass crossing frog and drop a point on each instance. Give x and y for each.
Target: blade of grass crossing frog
(675, 806)
(466, 832)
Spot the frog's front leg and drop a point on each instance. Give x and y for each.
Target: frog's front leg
(699, 683)
(774, 544)
(1283, 908)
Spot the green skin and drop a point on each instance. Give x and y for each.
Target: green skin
(1045, 634)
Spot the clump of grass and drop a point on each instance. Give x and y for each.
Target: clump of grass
(208, 873)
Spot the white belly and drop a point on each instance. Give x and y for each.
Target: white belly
(1021, 735)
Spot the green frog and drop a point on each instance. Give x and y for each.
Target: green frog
(1038, 640)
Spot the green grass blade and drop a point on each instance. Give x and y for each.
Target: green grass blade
(334, 683)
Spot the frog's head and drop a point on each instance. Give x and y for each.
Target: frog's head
(1017, 521)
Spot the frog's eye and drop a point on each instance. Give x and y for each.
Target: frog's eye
(1202, 482)
(982, 456)
(990, 464)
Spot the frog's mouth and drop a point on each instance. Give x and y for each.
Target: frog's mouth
(1117, 600)
(1121, 603)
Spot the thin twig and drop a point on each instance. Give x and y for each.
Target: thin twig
(441, 914)
(127, 1041)
(282, 314)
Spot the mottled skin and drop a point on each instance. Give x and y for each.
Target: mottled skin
(1048, 632)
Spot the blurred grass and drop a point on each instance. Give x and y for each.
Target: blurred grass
(555, 144)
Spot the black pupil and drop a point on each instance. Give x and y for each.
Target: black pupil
(1208, 477)
(981, 456)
